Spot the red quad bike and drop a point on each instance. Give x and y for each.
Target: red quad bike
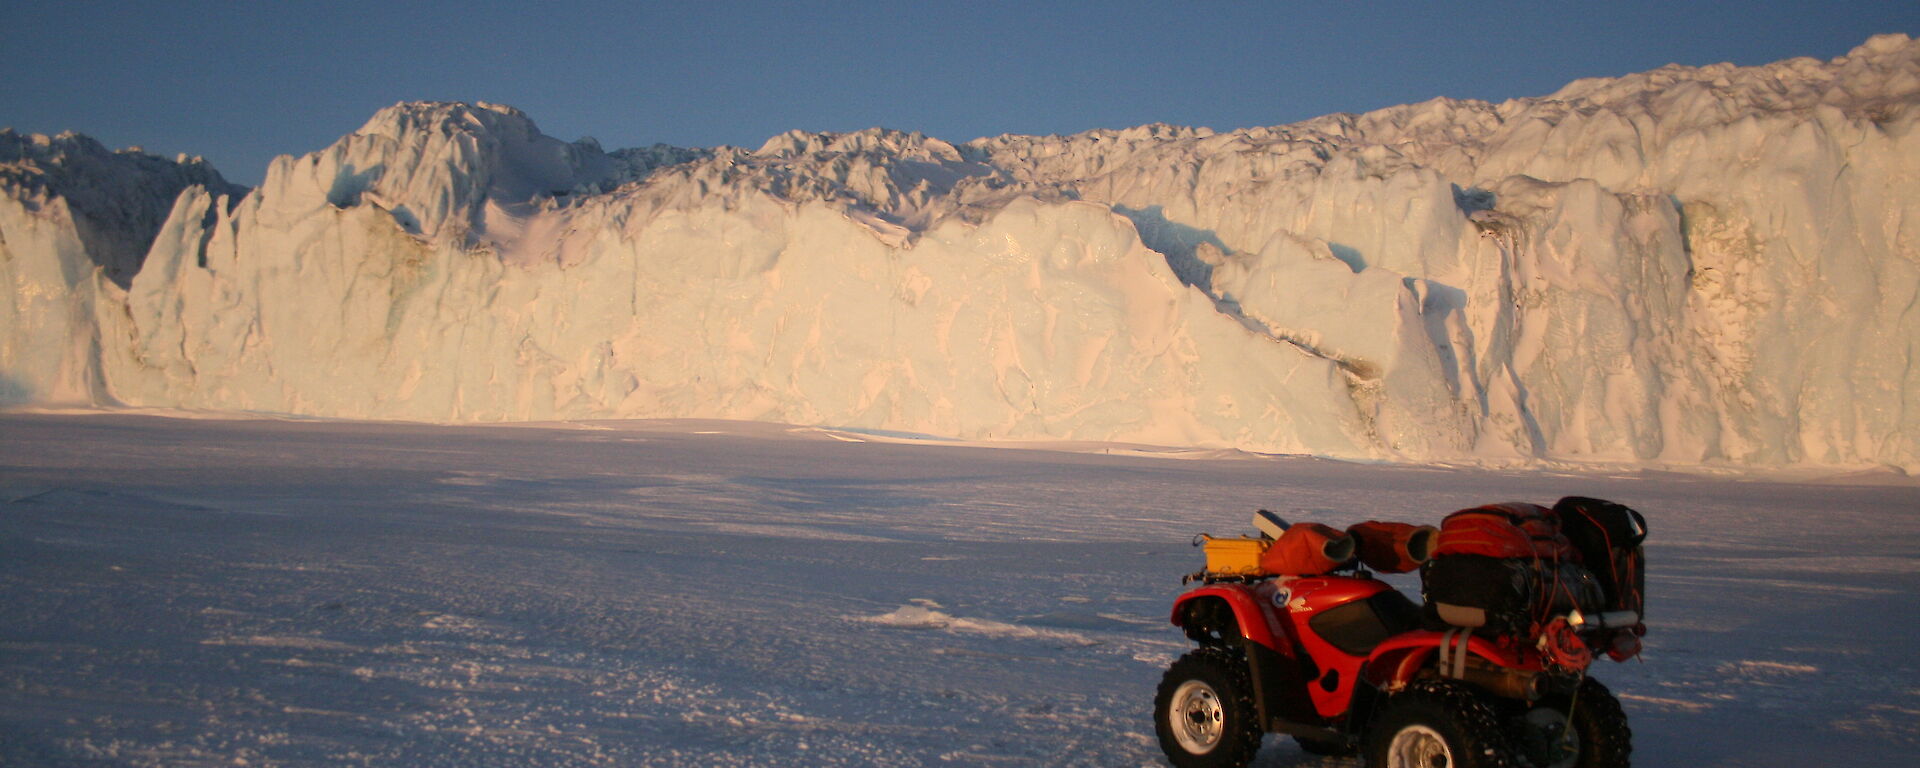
(1296, 636)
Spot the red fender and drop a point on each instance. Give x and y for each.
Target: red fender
(1395, 661)
(1249, 611)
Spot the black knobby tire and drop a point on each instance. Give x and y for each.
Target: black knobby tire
(1598, 723)
(1203, 712)
(1437, 724)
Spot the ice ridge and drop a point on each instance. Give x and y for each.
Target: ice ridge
(1687, 266)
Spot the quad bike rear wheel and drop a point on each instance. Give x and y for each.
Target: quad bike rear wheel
(1594, 735)
(1203, 712)
(1437, 724)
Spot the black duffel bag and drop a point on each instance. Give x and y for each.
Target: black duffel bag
(1607, 537)
(1494, 593)
(1505, 595)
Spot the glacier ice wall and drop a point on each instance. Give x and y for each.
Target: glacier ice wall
(73, 213)
(1684, 266)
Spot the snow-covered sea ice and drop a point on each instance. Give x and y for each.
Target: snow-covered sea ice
(204, 591)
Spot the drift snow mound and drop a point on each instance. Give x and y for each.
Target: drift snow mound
(1685, 266)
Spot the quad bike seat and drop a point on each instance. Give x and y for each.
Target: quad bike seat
(1357, 627)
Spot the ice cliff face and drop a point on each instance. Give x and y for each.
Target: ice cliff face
(1686, 266)
(73, 212)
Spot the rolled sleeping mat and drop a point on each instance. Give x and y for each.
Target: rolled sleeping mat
(1393, 547)
(1269, 524)
(1307, 549)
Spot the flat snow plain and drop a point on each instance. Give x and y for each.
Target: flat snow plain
(220, 592)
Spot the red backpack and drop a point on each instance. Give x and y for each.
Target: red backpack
(1513, 529)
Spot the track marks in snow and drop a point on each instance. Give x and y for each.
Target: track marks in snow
(1766, 670)
(1898, 722)
(294, 643)
(1659, 703)
(927, 616)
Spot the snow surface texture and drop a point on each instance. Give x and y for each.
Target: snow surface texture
(741, 594)
(1689, 266)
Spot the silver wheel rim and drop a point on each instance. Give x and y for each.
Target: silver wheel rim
(1417, 746)
(1197, 717)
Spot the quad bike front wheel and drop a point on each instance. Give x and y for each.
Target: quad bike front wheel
(1437, 724)
(1203, 712)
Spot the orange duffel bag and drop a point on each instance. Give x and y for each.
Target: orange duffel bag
(1307, 549)
(1393, 547)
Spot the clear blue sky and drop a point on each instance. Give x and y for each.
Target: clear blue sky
(242, 82)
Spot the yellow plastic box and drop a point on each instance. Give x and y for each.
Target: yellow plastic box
(1235, 556)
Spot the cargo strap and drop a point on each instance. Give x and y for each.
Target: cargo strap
(1453, 656)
